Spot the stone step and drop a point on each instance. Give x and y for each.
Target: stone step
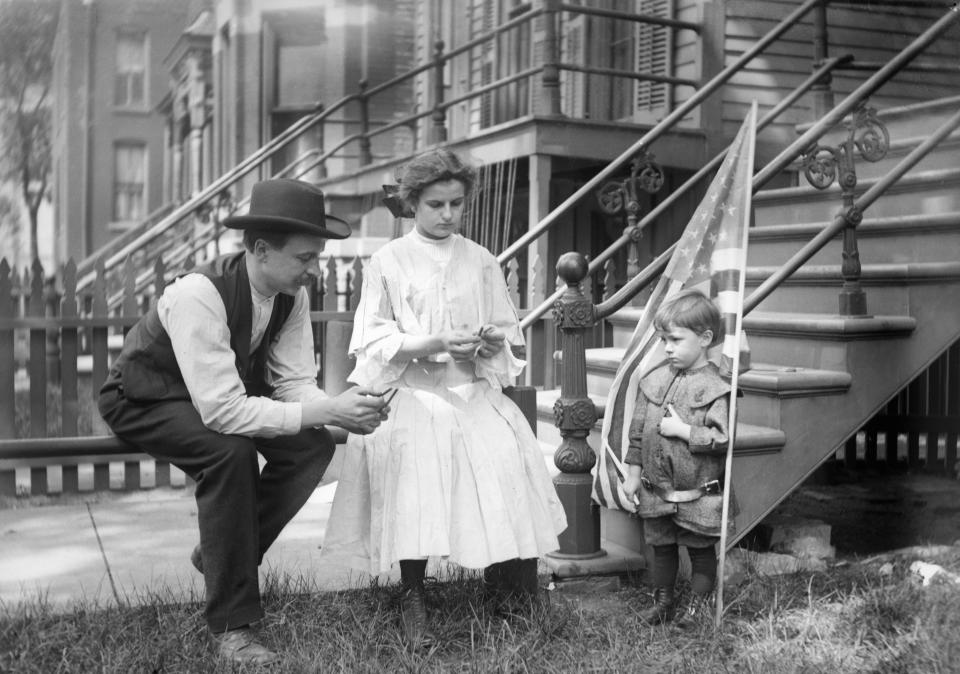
(904, 238)
(913, 120)
(764, 385)
(817, 341)
(935, 191)
(816, 288)
(751, 439)
(813, 340)
(945, 155)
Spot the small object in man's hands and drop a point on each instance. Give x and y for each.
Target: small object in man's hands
(388, 398)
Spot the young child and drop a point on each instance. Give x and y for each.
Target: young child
(675, 461)
(455, 470)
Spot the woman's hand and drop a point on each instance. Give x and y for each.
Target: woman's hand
(493, 341)
(460, 344)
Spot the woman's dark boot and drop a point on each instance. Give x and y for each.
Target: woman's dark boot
(413, 618)
(511, 587)
(663, 607)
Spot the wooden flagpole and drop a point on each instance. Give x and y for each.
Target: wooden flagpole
(735, 372)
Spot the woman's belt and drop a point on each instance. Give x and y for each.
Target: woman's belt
(682, 495)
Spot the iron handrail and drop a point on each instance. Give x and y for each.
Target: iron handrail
(944, 68)
(597, 263)
(640, 77)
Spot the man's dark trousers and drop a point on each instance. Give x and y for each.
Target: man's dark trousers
(241, 511)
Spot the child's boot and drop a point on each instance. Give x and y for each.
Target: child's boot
(663, 607)
(697, 613)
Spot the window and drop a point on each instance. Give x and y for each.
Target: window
(129, 182)
(130, 83)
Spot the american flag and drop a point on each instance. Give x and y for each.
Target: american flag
(711, 257)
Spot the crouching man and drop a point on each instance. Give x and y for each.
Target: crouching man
(221, 369)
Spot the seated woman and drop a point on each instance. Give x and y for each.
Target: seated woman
(455, 471)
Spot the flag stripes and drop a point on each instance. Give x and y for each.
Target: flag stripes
(711, 257)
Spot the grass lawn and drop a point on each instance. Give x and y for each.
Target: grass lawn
(861, 616)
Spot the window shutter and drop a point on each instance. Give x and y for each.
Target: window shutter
(572, 84)
(654, 55)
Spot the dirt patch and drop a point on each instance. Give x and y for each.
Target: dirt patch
(871, 513)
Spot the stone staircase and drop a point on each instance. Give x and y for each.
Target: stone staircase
(816, 377)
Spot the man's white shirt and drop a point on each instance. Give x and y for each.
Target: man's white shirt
(192, 312)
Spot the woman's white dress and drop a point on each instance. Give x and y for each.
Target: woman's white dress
(455, 471)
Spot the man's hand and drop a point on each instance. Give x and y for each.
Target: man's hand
(492, 341)
(358, 410)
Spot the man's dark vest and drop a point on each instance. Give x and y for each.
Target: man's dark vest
(147, 368)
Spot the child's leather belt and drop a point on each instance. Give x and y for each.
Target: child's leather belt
(682, 495)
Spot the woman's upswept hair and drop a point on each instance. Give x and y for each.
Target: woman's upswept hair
(431, 167)
(693, 310)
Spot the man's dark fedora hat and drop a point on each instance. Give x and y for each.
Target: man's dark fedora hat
(287, 205)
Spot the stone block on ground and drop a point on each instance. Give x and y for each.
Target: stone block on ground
(809, 547)
(741, 564)
(586, 585)
(777, 532)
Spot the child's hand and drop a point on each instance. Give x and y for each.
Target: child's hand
(631, 485)
(492, 341)
(672, 426)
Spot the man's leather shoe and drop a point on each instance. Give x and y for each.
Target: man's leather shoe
(196, 559)
(241, 646)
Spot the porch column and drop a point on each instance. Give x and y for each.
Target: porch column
(540, 339)
(822, 92)
(548, 101)
(196, 157)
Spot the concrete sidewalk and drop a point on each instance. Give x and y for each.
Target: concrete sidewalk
(133, 546)
(128, 547)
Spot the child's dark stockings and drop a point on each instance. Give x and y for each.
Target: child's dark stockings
(666, 561)
(703, 569)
